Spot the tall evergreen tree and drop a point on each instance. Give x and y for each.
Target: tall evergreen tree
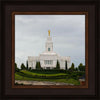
(72, 67)
(16, 68)
(23, 67)
(27, 64)
(38, 65)
(76, 69)
(66, 65)
(57, 65)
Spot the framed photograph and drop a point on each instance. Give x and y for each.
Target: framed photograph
(49, 68)
(50, 50)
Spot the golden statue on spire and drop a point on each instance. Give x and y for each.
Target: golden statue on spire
(49, 32)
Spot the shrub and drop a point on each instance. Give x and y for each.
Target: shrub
(81, 67)
(23, 67)
(38, 66)
(16, 68)
(18, 83)
(57, 65)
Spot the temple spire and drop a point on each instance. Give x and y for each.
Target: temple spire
(49, 32)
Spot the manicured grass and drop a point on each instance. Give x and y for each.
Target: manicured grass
(29, 76)
(33, 73)
(71, 81)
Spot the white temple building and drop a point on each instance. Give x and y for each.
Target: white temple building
(48, 59)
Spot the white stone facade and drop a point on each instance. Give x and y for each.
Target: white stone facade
(48, 59)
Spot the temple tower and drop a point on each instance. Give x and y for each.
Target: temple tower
(49, 43)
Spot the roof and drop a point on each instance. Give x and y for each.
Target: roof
(48, 53)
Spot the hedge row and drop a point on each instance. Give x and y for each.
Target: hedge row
(42, 76)
(74, 75)
(50, 71)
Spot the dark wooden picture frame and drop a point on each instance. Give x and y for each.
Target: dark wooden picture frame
(50, 13)
(7, 92)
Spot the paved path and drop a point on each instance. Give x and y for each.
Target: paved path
(40, 83)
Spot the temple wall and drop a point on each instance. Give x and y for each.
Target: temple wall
(32, 61)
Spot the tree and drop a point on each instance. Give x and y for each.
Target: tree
(26, 64)
(72, 67)
(66, 65)
(16, 68)
(76, 69)
(23, 67)
(81, 67)
(30, 69)
(38, 65)
(57, 65)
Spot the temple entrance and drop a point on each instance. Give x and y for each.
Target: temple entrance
(47, 67)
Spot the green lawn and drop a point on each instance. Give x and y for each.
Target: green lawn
(32, 76)
(29, 74)
(41, 74)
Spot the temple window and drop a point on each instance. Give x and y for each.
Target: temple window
(48, 49)
(48, 62)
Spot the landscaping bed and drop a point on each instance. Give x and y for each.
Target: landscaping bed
(64, 77)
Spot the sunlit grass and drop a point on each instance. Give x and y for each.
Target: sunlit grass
(43, 74)
(66, 80)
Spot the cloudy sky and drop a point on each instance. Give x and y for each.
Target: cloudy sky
(67, 31)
